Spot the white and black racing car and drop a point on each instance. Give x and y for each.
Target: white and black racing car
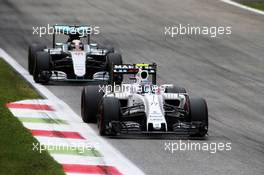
(143, 107)
(73, 60)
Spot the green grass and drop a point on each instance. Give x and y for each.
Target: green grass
(256, 5)
(16, 143)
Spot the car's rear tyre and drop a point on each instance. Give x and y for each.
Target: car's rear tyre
(41, 73)
(199, 113)
(110, 111)
(91, 97)
(114, 59)
(175, 89)
(32, 51)
(109, 48)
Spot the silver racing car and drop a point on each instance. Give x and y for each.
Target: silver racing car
(143, 107)
(74, 59)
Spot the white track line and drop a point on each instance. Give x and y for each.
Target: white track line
(62, 141)
(243, 6)
(33, 113)
(111, 155)
(35, 101)
(47, 127)
(78, 160)
(81, 174)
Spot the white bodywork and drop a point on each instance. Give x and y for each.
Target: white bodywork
(79, 62)
(78, 58)
(153, 103)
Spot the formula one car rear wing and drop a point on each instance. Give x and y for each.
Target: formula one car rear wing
(133, 69)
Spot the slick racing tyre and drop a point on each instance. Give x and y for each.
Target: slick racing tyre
(175, 89)
(32, 51)
(109, 48)
(114, 59)
(199, 113)
(91, 97)
(41, 73)
(110, 111)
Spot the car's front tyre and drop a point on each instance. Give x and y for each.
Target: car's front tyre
(199, 113)
(91, 97)
(41, 72)
(110, 111)
(32, 51)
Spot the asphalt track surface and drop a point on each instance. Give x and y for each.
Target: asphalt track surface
(227, 71)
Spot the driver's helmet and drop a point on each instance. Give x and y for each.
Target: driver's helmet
(144, 82)
(76, 45)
